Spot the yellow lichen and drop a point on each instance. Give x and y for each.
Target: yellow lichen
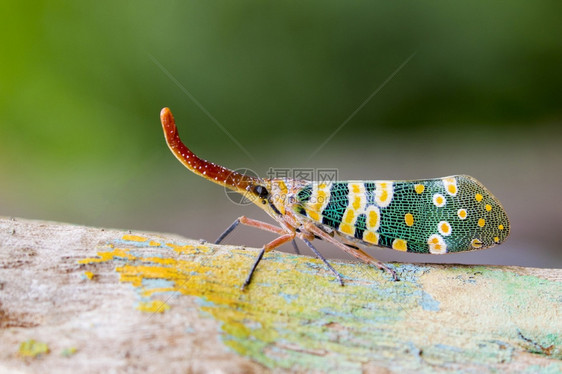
(33, 348)
(154, 306)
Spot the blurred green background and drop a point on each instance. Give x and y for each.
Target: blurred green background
(82, 84)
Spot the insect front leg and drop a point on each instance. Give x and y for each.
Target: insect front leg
(296, 248)
(267, 248)
(285, 235)
(252, 223)
(260, 225)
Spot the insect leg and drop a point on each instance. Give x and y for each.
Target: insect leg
(253, 269)
(284, 236)
(357, 253)
(267, 248)
(297, 251)
(338, 275)
(228, 231)
(252, 223)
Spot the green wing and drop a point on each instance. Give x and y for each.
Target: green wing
(451, 214)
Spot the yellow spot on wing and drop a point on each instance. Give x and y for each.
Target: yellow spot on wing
(348, 216)
(450, 186)
(383, 193)
(318, 201)
(444, 228)
(488, 207)
(346, 229)
(452, 189)
(476, 243)
(481, 222)
(400, 245)
(500, 227)
(419, 188)
(409, 219)
(437, 245)
(371, 237)
(373, 218)
(383, 196)
(439, 200)
(478, 197)
(357, 198)
(312, 214)
(322, 197)
(356, 202)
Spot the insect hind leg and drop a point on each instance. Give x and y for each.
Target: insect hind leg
(297, 251)
(319, 255)
(352, 250)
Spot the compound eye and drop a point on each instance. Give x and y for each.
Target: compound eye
(261, 191)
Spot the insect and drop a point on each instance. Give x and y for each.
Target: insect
(436, 216)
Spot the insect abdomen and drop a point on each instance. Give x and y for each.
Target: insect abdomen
(451, 214)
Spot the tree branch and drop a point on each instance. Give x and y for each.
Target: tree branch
(82, 298)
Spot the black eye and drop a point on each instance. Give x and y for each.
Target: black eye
(261, 191)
